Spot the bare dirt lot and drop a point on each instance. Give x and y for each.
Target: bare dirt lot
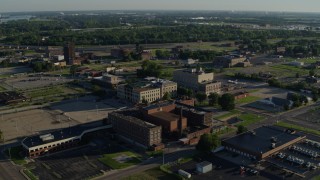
(85, 109)
(26, 123)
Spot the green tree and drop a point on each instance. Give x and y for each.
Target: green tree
(315, 98)
(150, 68)
(312, 73)
(189, 93)
(241, 129)
(98, 91)
(182, 91)
(73, 69)
(166, 96)
(227, 102)
(201, 97)
(274, 82)
(144, 101)
(1, 136)
(37, 67)
(213, 99)
(208, 142)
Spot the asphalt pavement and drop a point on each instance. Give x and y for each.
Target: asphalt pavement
(7, 169)
(148, 164)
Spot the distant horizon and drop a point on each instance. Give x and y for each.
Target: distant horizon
(15, 6)
(159, 10)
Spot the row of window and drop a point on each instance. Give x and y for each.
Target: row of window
(45, 147)
(240, 152)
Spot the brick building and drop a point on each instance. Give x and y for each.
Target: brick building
(130, 126)
(69, 53)
(231, 61)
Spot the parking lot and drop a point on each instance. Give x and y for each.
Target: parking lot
(85, 109)
(78, 163)
(222, 169)
(34, 82)
(309, 119)
(301, 158)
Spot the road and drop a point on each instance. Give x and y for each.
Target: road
(7, 169)
(148, 164)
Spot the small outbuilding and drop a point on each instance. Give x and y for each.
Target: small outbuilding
(204, 167)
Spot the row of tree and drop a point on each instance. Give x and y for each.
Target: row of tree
(32, 33)
(226, 101)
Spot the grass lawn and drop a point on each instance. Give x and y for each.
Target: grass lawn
(299, 128)
(2, 88)
(316, 178)
(30, 174)
(46, 92)
(226, 131)
(248, 119)
(167, 73)
(5, 75)
(14, 153)
(151, 174)
(247, 100)
(185, 160)
(291, 69)
(254, 90)
(154, 153)
(130, 64)
(228, 115)
(109, 160)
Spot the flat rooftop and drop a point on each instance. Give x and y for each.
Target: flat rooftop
(157, 105)
(134, 116)
(165, 116)
(145, 89)
(60, 134)
(260, 141)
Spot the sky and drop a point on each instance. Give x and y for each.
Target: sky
(240, 5)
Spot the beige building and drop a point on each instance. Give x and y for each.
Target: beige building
(190, 78)
(167, 87)
(111, 79)
(138, 94)
(197, 80)
(211, 87)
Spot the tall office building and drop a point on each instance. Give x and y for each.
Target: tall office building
(69, 53)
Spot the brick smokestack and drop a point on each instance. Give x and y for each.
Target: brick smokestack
(180, 123)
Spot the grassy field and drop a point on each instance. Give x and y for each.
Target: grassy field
(14, 153)
(229, 115)
(226, 131)
(2, 89)
(294, 69)
(316, 178)
(151, 174)
(109, 160)
(30, 174)
(248, 119)
(299, 128)
(215, 46)
(278, 70)
(55, 90)
(130, 64)
(247, 100)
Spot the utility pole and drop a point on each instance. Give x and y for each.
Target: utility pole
(163, 156)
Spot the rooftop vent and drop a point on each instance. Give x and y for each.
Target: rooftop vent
(47, 137)
(273, 139)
